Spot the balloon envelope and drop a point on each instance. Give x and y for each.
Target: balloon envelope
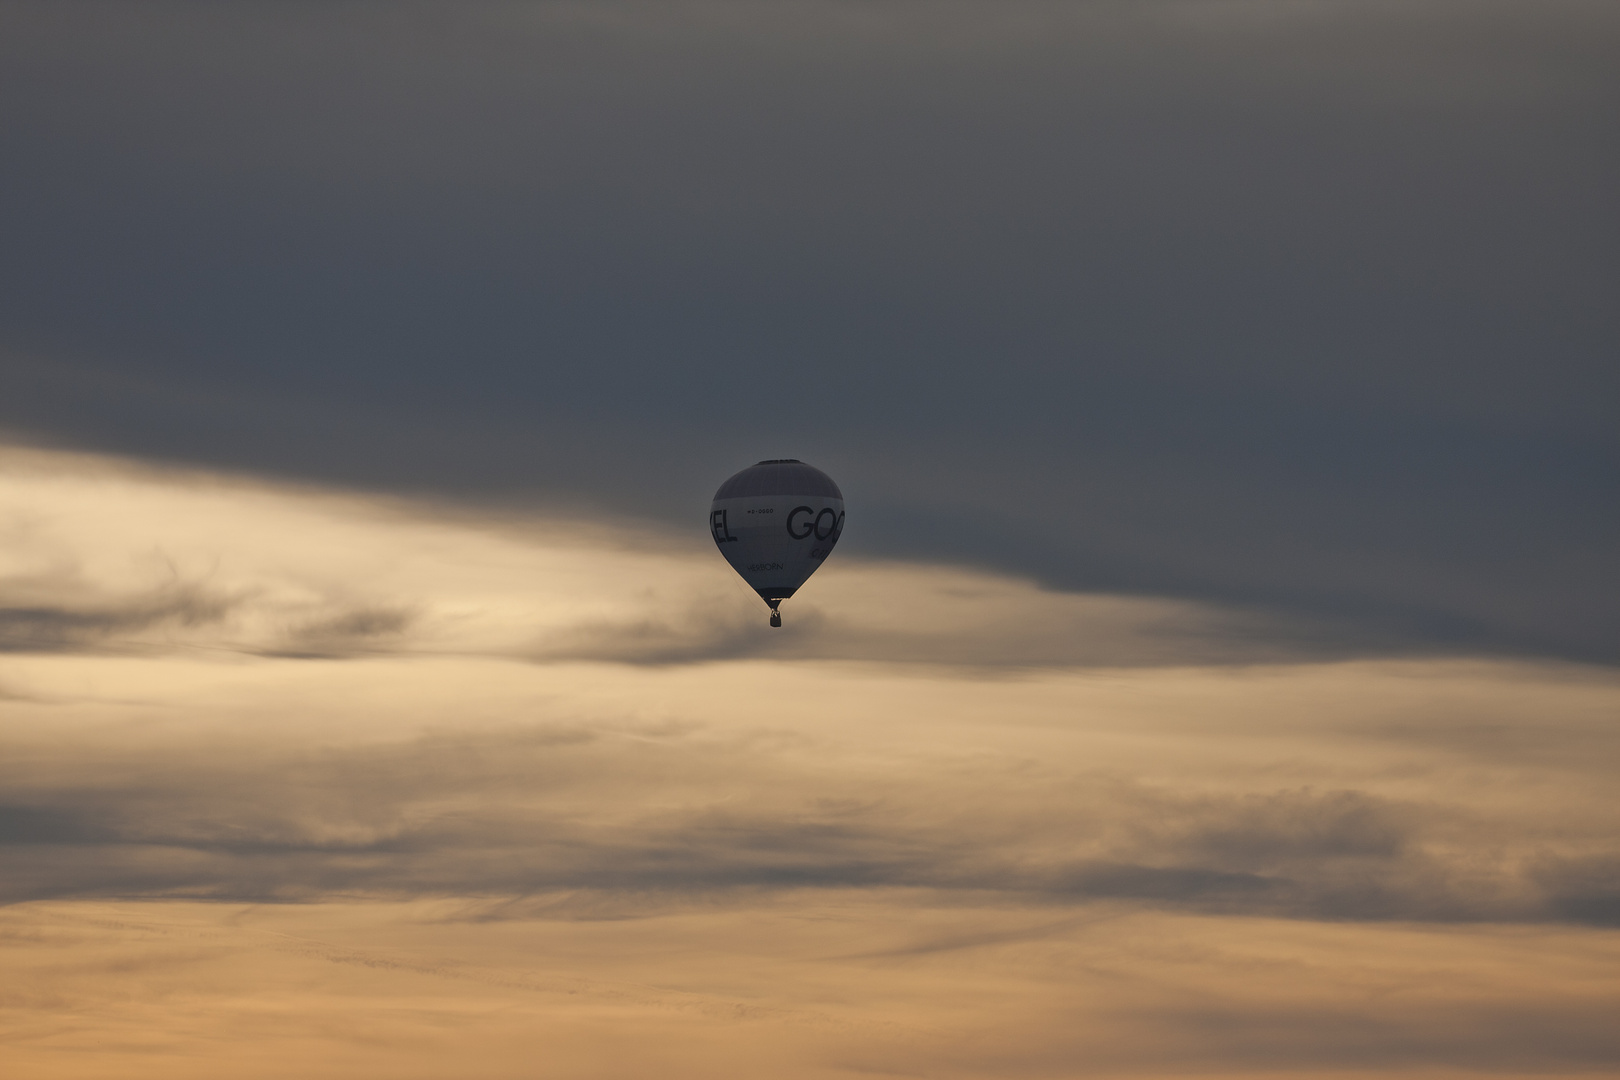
(775, 522)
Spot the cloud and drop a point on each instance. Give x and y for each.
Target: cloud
(710, 629)
(1150, 835)
(532, 708)
(1221, 390)
(1013, 992)
(109, 556)
(567, 809)
(348, 632)
(29, 825)
(1294, 307)
(1583, 889)
(105, 560)
(950, 617)
(54, 623)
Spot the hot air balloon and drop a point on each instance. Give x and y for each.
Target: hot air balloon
(775, 522)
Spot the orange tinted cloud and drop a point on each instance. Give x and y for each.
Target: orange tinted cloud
(306, 780)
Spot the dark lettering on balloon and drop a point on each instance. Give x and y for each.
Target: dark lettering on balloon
(809, 527)
(826, 526)
(720, 528)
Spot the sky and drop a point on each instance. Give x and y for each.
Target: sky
(1217, 676)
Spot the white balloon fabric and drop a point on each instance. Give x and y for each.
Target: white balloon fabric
(775, 522)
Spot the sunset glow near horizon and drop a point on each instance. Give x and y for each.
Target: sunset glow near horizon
(302, 781)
